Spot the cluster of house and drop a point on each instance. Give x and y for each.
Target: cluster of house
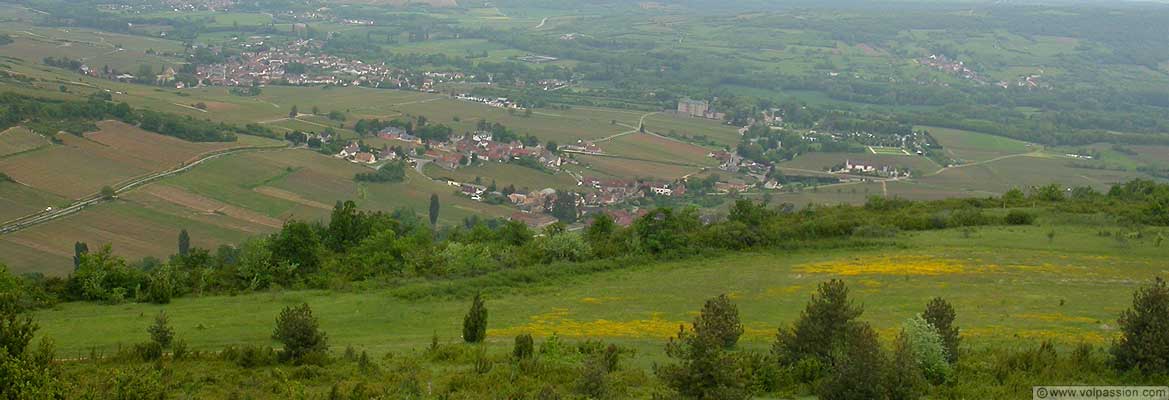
(733, 163)
(169, 5)
(480, 145)
(501, 102)
(953, 67)
(355, 153)
(883, 171)
(1031, 81)
(271, 63)
(698, 108)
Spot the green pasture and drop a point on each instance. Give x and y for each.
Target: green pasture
(1011, 287)
(974, 146)
(504, 175)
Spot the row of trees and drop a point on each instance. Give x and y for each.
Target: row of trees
(77, 117)
(355, 245)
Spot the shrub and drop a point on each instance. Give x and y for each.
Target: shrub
(941, 315)
(524, 347)
(180, 350)
(1144, 341)
(592, 381)
(926, 347)
(298, 330)
(149, 351)
(475, 323)
(1020, 217)
(161, 332)
(720, 319)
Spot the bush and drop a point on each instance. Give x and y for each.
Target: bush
(720, 319)
(1144, 341)
(925, 345)
(298, 330)
(149, 351)
(475, 323)
(161, 332)
(524, 347)
(1020, 217)
(704, 370)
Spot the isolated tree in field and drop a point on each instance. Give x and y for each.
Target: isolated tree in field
(941, 315)
(720, 319)
(316, 110)
(475, 323)
(861, 368)
(822, 328)
(161, 332)
(79, 249)
(293, 113)
(298, 330)
(108, 192)
(184, 243)
(433, 209)
(1144, 340)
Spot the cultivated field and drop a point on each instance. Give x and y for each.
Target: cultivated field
(18, 140)
(504, 175)
(967, 146)
(630, 169)
(656, 148)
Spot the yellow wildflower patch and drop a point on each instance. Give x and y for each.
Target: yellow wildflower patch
(887, 265)
(558, 322)
(599, 300)
(1058, 318)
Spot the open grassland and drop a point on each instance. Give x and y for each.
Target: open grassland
(1010, 286)
(967, 146)
(561, 126)
(1024, 172)
(18, 140)
(717, 131)
(504, 175)
(629, 168)
(656, 148)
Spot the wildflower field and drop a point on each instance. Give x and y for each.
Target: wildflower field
(1011, 286)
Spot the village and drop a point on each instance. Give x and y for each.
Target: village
(534, 207)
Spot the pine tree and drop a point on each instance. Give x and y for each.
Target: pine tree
(161, 332)
(822, 328)
(941, 315)
(299, 331)
(860, 369)
(720, 319)
(475, 323)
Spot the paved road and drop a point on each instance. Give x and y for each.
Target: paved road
(46, 216)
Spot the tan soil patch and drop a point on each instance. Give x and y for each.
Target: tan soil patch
(206, 205)
(293, 197)
(39, 246)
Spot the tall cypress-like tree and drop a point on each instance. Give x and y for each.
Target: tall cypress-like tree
(433, 209)
(79, 249)
(475, 323)
(184, 243)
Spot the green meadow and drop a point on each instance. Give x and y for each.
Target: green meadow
(1011, 286)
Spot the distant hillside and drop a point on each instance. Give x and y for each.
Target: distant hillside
(402, 3)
